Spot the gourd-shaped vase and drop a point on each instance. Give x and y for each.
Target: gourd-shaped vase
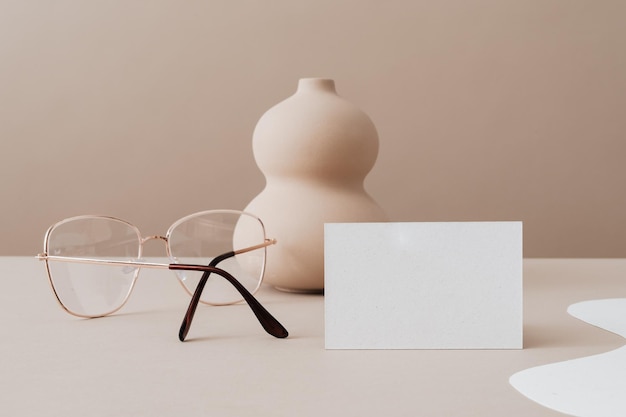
(315, 150)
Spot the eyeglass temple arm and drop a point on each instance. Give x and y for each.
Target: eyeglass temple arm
(269, 323)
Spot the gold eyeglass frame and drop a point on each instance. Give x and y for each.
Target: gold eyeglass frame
(269, 323)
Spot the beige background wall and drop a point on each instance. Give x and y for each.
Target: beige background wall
(486, 110)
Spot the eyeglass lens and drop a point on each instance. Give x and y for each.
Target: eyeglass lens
(199, 238)
(91, 290)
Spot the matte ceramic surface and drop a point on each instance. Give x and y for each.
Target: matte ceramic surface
(315, 149)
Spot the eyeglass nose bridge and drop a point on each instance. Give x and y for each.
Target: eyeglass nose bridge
(154, 237)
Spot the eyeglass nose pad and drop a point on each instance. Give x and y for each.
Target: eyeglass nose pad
(131, 269)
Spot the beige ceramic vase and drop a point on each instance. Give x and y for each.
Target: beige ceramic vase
(315, 150)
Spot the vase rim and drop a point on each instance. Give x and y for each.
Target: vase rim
(316, 84)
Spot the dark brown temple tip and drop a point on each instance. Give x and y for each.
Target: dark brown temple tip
(269, 323)
(184, 329)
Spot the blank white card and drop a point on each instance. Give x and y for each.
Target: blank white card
(443, 285)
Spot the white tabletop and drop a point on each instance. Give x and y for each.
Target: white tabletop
(132, 364)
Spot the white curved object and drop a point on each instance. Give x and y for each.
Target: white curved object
(590, 386)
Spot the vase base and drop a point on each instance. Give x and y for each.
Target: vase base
(300, 291)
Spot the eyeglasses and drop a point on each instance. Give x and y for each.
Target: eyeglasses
(93, 262)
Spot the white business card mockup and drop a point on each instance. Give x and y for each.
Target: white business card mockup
(423, 285)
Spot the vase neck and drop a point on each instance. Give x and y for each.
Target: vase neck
(316, 84)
